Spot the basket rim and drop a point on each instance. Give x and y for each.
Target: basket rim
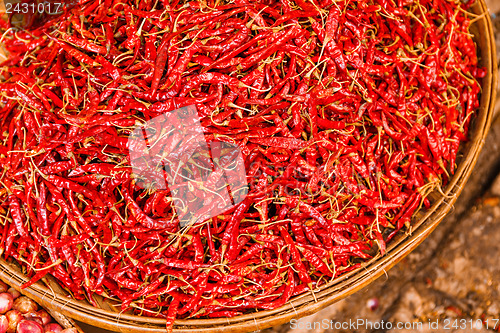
(304, 304)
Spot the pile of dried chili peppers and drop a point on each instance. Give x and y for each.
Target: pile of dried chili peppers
(348, 114)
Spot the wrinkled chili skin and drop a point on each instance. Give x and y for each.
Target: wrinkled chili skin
(347, 115)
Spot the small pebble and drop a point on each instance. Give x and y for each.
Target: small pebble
(372, 304)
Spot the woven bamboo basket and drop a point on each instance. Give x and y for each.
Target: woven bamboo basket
(51, 296)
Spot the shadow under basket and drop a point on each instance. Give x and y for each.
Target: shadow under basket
(51, 296)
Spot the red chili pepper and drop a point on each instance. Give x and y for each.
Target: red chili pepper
(304, 276)
(84, 44)
(316, 262)
(15, 208)
(171, 315)
(74, 52)
(235, 41)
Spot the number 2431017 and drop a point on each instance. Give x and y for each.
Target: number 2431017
(34, 8)
(471, 324)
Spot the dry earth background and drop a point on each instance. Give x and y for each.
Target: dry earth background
(454, 274)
